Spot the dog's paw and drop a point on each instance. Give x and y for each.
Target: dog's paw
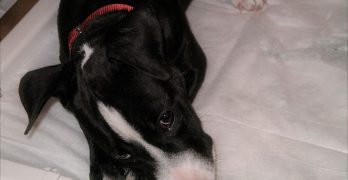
(249, 5)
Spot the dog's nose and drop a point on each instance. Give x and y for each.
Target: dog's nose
(190, 174)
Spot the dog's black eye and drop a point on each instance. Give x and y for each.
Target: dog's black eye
(166, 120)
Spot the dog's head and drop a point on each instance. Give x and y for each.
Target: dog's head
(121, 80)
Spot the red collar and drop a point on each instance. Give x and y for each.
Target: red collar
(99, 12)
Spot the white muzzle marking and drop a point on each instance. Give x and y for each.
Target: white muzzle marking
(183, 166)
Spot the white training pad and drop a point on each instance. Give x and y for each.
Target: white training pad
(274, 98)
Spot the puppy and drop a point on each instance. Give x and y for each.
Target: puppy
(129, 72)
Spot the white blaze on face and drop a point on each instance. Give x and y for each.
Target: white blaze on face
(183, 166)
(88, 52)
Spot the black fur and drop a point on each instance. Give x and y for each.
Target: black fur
(145, 62)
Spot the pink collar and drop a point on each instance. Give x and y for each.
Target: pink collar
(99, 12)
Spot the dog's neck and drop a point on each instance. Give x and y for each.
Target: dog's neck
(74, 33)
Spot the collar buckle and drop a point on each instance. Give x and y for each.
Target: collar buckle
(78, 29)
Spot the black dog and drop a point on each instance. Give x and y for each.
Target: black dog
(129, 72)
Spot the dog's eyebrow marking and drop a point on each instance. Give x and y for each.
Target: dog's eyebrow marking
(167, 165)
(88, 52)
(127, 132)
(118, 124)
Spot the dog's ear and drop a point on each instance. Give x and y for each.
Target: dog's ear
(37, 86)
(137, 41)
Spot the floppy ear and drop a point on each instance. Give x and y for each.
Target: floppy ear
(137, 41)
(37, 86)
